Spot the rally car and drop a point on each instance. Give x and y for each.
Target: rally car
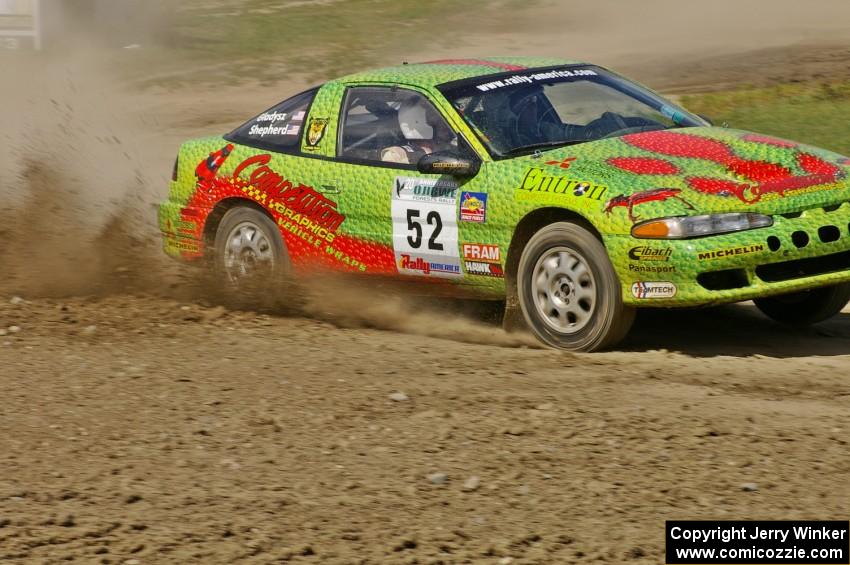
(566, 190)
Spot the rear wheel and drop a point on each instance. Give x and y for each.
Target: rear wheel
(251, 260)
(806, 307)
(568, 291)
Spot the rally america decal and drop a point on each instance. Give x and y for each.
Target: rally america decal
(425, 232)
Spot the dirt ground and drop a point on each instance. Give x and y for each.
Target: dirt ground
(142, 422)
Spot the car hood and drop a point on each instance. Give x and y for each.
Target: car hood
(703, 170)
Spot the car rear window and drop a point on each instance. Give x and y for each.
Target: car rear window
(279, 128)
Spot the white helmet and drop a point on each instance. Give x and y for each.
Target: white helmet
(412, 117)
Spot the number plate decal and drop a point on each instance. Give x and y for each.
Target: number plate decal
(425, 227)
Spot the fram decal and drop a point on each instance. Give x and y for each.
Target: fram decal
(658, 195)
(721, 253)
(482, 252)
(473, 207)
(653, 290)
(316, 131)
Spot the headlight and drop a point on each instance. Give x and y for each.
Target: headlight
(699, 226)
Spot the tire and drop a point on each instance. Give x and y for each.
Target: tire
(250, 262)
(806, 307)
(568, 291)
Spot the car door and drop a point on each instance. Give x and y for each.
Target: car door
(382, 133)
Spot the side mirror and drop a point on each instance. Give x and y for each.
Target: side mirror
(449, 164)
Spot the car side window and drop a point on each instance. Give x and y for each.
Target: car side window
(278, 128)
(391, 126)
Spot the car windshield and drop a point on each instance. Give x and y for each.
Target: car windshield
(539, 109)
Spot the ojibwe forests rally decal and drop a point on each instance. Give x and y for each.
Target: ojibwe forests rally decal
(309, 221)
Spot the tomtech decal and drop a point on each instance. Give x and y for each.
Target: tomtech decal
(653, 290)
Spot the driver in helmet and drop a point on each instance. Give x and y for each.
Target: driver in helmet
(423, 132)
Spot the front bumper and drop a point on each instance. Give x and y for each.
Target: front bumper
(182, 235)
(800, 251)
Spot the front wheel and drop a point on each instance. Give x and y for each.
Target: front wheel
(806, 307)
(568, 291)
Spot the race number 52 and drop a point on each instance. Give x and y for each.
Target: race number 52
(425, 232)
(414, 225)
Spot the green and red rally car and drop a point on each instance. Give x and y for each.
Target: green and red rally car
(569, 191)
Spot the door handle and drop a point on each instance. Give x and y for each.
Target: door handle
(329, 189)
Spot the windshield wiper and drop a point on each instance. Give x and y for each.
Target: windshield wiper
(545, 145)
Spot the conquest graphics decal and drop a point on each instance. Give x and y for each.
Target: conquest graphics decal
(653, 290)
(647, 253)
(538, 186)
(659, 195)
(316, 131)
(425, 232)
(299, 210)
(473, 207)
(721, 253)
